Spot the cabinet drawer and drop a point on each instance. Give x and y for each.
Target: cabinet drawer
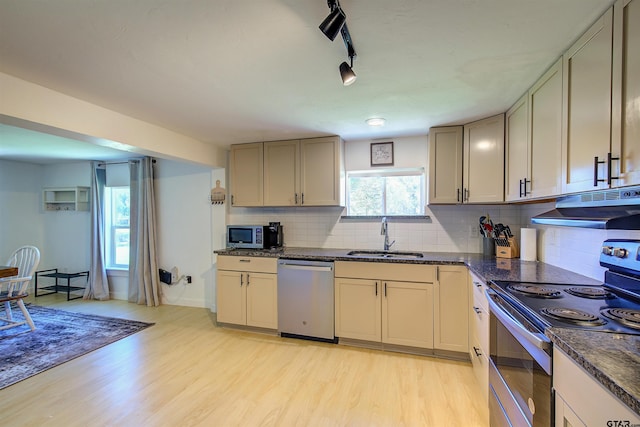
(251, 264)
(480, 362)
(386, 271)
(479, 298)
(480, 326)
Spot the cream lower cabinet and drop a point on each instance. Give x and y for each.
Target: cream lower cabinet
(451, 308)
(247, 291)
(479, 333)
(387, 303)
(582, 401)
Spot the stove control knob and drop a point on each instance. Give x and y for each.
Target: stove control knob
(620, 252)
(607, 250)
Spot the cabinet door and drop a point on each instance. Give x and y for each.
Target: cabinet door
(281, 173)
(565, 417)
(245, 170)
(358, 309)
(483, 175)
(545, 102)
(407, 316)
(230, 297)
(320, 171)
(451, 309)
(587, 106)
(262, 300)
(517, 150)
(445, 165)
(626, 93)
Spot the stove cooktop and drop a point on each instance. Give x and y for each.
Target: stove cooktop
(594, 308)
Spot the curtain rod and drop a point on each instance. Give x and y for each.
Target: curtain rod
(122, 163)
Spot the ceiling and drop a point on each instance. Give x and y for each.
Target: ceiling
(233, 71)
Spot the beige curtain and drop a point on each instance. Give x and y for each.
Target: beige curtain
(98, 287)
(144, 281)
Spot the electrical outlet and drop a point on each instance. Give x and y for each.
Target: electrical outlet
(174, 274)
(474, 231)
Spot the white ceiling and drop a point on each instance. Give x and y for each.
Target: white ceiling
(231, 71)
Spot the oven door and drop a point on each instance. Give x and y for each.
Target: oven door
(520, 392)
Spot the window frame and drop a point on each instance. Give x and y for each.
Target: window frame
(384, 173)
(111, 229)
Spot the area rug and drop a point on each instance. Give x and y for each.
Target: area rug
(60, 336)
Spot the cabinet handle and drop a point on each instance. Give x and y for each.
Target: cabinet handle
(437, 273)
(466, 195)
(596, 162)
(477, 351)
(376, 288)
(247, 279)
(241, 279)
(520, 187)
(458, 195)
(385, 289)
(302, 198)
(295, 196)
(232, 199)
(477, 310)
(609, 160)
(524, 185)
(245, 260)
(478, 284)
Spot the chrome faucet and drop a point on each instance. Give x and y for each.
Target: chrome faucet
(384, 230)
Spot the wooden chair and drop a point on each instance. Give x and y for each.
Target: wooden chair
(15, 288)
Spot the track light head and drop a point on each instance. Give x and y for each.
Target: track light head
(347, 74)
(333, 23)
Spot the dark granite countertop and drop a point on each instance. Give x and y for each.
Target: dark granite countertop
(612, 359)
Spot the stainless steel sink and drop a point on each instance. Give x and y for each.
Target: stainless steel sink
(386, 254)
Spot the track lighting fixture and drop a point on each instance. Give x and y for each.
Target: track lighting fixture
(332, 25)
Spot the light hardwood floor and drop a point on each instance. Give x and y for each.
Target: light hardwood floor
(185, 371)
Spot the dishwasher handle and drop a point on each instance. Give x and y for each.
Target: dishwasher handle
(306, 267)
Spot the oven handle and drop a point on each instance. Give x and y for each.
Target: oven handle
(537, 339)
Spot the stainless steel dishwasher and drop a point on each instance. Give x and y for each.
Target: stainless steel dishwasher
(305, 300)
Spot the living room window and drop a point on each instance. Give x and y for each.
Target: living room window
(385, 192)
(116, 209)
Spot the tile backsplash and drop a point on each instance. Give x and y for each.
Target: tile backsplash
(451, 228)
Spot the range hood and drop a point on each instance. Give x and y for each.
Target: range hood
(617, 209)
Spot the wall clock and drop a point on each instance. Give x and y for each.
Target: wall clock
(382, 153)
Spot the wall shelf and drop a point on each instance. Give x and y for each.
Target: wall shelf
(65, 199)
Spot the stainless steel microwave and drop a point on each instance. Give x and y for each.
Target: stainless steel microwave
(245, 236)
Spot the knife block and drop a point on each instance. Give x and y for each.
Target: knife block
(507, 248)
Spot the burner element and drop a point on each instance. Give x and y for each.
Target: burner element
(571, 315)
(590, 292)
(626, 316)
(536, 291)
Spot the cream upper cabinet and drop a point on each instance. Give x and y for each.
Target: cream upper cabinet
(451, 308)
(517, 171)
(322, 172)
(282, 173)
(545, 135)
(247, 291)
(587, 108)
(626, 93)
(306, 172)
(386, 303)
(533, 146)
(483, 176)
(245, 173)
(445, 165)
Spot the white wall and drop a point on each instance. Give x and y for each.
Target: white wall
(21, 214)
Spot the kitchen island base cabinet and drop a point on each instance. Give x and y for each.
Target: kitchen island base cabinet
(247, 292)
(383, 303)
(582, 401)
